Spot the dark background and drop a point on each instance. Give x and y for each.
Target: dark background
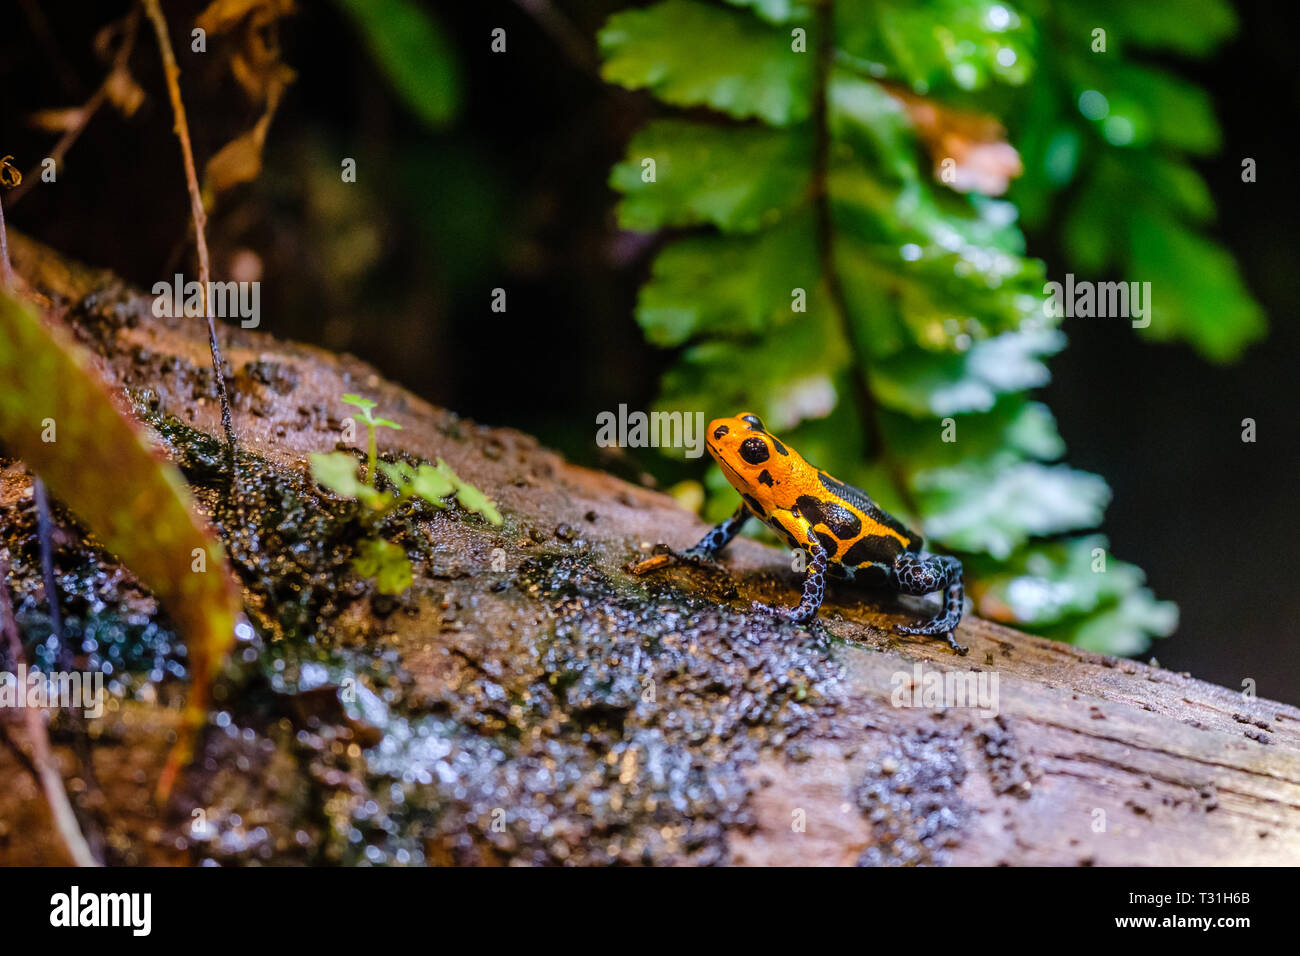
(399, 269)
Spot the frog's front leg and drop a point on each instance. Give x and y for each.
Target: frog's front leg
(924, 574)
(718, 538)
(814, 590)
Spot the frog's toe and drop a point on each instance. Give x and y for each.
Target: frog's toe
(698, 557)
(940, 627)
(791, 614)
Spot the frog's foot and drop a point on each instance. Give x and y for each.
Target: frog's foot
(942, 626)
(700, 557)
(704, 553)
(814, 590)
(794, 615)
(697, 555)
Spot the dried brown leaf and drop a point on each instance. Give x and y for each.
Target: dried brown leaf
(123, 91)
(982, 160)
(240, 160)
(58, 120)
(222, 16)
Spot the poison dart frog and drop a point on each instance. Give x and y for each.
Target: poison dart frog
(838, 527)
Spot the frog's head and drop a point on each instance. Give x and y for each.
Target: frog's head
(752, 459)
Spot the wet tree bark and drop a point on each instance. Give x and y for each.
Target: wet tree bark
(696, 730)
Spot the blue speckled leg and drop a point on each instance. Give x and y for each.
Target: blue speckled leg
(814, 590)
(719, 537)
(924, 574)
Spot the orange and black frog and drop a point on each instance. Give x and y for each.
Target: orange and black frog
(838, 527)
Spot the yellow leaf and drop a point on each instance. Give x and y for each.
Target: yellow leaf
(57, 416)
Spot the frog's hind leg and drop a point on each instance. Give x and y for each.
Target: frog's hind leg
(924, 574)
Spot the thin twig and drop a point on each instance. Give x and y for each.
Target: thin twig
(89, 108)
(20, 755)
(859, 373)
(42, 762)
(6, 270)
(173, 72)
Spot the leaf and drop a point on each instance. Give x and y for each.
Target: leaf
(385, 423)
(777, 11)
(1194, 27)
(386, 563)
(737, 178)
(102, 467)
(1154, 102)
(1197, 293)
(1180, 185)
(413, 52)
(865, 116)
(1047, 583)
(1127, 626)
(971, 145)
(365, 404)
(222, 16)
(1074, 590)
(337, 471)
(433, 486)
(734, 286)
(398, 472)
(692, 54)
(469, 497)
(239, 161)
(995, 510)
(123, 92)
(1014, 429)
(57, 120)
(249, 31)
(941, 44)
(924, 384)
(761, 374)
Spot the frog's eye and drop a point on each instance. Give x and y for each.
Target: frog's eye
(754, 451)
(754, 421)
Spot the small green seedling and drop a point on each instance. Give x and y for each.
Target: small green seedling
(366, 404)
(377, 558)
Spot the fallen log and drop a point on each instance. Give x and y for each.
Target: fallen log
(530, 701)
